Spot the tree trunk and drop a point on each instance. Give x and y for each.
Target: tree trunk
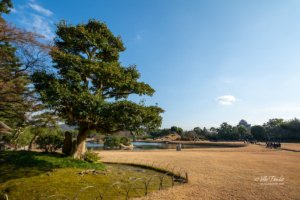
(80, 147)
(32, 141)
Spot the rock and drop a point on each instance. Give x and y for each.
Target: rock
(91, 171)
(67, 147)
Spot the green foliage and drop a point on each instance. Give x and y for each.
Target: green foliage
(86, 59)
(125, 141)
(41, 161)
(20, 52)
(273, 123)
(166, 131)
(274, 129)
(90, 87)
(50, 141)
(225, 132)
(5, 6)
(52, 175)
(111, 142)
(286, 131)
(13, 87)
(177, 130)
(258, 133)
(91, 157)
(24, 139)
(243, 132)
(190, 136)
(198, 130)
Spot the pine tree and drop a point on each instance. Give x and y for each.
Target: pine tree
(13, 82)
(91, 87)
(20, 52)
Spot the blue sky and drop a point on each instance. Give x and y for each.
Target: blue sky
(209, 61)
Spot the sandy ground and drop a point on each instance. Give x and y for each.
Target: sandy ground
(230, 173)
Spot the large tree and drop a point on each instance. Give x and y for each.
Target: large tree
(89, 87)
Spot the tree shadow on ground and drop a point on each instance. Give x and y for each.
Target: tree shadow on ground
(19, 164)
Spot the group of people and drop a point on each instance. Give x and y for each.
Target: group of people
(274, 145)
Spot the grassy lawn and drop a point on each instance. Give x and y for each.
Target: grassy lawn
(223, 173)
(34, 175)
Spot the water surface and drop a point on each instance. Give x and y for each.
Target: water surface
(162, 145)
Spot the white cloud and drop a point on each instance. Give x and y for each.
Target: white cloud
(39, 24)
(226, 99)
(40, 21)
(40, 9)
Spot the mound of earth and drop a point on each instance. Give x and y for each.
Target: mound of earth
(170, 137)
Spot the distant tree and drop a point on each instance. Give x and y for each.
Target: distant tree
(177, 129)
(89, 87)
(225, 132)
(39, 122)
(205, 131)
(273, 128)
(291, 130)
(50, 140)
(111, 142)
(211, 134)
(244, 132)
(236, 133)
(272, 123)
(213, 129)
(125, 140)
(190, 136)
(258, 133)
(201, 134)
(198, 130)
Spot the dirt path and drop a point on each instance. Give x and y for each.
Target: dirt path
(231, 173)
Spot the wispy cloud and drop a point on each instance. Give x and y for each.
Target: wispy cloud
(35, 18)
(39, 24)
(226, 100)
(40, 9)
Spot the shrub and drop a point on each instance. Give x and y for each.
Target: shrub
(111, 142)
(50, 142)
(91, 157)
(125, 141)
(190, 136)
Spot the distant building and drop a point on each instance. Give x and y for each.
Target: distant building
(245, 124)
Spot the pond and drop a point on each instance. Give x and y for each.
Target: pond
(163, 145)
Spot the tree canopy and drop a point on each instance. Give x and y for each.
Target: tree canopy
(89, 86)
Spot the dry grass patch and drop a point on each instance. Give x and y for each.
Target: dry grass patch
(291, 146)
(217, 173)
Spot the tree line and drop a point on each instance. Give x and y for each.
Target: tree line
(272, 130)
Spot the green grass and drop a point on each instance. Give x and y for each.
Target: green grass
(18, 164)
(34, 175)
